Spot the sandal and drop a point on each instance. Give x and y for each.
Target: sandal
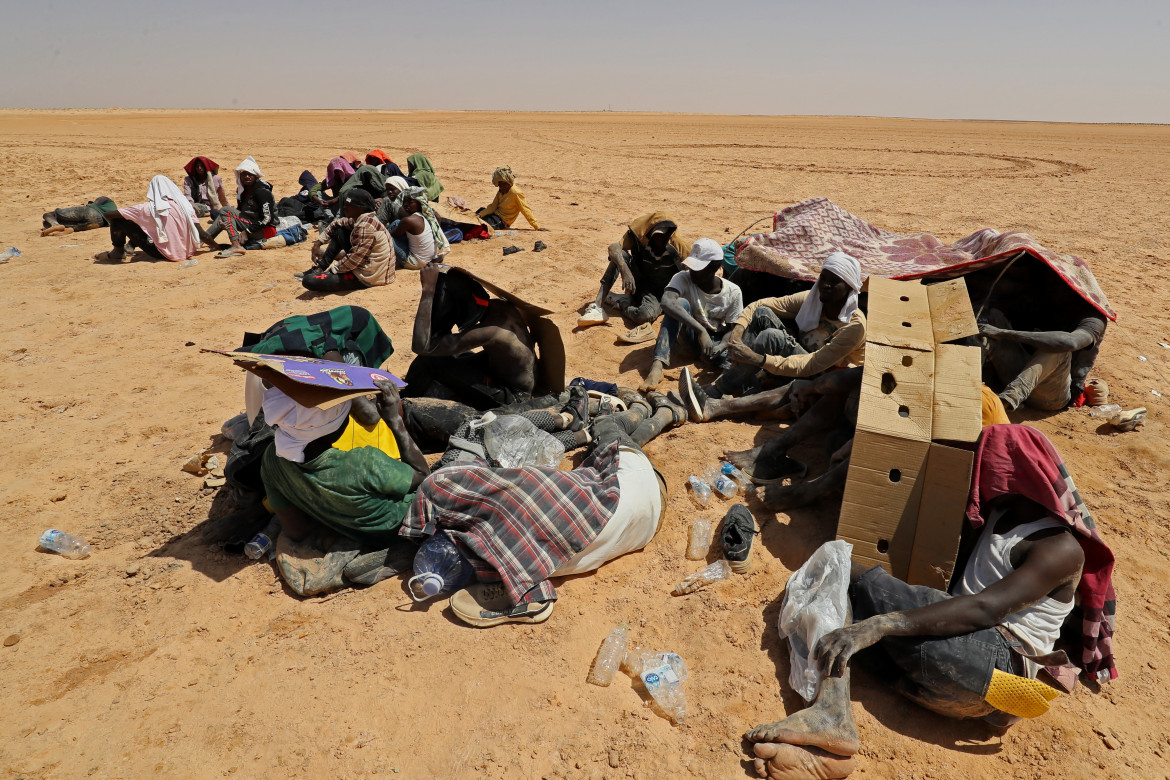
(224, 254)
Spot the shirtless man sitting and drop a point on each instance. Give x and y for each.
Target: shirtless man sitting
(455, 316)
(1023, 569)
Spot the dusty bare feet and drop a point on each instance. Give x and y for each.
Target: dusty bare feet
(742, 459)
(653, 378)
(783, 497)
(777, 761)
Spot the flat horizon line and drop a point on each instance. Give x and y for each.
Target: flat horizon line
(113, 109)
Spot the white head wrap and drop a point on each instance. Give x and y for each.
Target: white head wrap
(249, 164)
(164, 195)
(398, 183)
(298, 425)
(847, 270)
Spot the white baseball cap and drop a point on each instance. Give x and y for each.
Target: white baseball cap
(704, 252)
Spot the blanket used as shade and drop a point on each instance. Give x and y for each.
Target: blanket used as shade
(804, 234)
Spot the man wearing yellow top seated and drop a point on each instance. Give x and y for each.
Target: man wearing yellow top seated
(508, 204)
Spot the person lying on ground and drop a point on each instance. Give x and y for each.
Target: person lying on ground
(302, 206)
(456, 316)
(356, 252)
(77, 218)
(361, 493)
(647, 258)
(418, 239)
(508, 204)
(1039, 346)
(165, 226)
(255, 210)
(830, 332)
(203, 187)
(521, 527)
(700, 308)
(1032, 548)
(420, 169)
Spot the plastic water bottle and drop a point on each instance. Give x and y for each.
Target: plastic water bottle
(189, 264)
(700, 491)
(609, 656)
(66, 544)
(439, 568)
(235, 427)
(745, 482)
(700, 541)
(514, 442)
(663, 675)
(1106, 410)
(720, 570)
(264, 541)
(9, 253)
(725, 486)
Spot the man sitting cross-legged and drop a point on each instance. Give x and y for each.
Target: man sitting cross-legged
(1032, 547)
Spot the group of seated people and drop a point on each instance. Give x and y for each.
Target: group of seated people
(372, 218)
(1028, 548)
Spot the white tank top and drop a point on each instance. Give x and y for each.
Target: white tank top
(422, 246)
(1036, 627)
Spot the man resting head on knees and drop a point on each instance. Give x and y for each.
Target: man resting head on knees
(357, 250)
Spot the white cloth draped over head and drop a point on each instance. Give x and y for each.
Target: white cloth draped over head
(398, 183)
(249, 165)
(298, 425)
(848, 270)
(162, 196)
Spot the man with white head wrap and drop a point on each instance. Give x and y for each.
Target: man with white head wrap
(165, 226)
(255, 209)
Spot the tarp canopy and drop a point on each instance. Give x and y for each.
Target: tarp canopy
(805, 233)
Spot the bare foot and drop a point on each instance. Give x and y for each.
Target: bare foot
(742, 459)
(653, 378)
(784, 497)
(828, 728)
(777, 761)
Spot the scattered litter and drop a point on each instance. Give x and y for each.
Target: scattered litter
(66, 246)
(539, 246)
(663, 675)
(609, 656)
(189, 263)
(1128, 421)
(268, 286)
(511, 250)
(720, 570)
(1163, 345)
(1142, 358)
(816, 602)
(66, 544)
(9, 253)
(1156, 393)
(700, 491)
(1105, 410)
(700, 541)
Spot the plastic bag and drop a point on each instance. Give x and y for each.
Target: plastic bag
(514, 442)
(816, 602)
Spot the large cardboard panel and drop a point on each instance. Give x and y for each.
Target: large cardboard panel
(897, 390)
(899, 315)
(946, 485)
(882, 496)
(951, 316)
(958, 409)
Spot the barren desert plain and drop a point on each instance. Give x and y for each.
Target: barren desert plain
(160, 656)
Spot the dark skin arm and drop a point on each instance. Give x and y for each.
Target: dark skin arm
(412, 225)
(740, 352)
(390, 408)
(362, 409)
(671, 306)
(1042, 341)
(424, 342)
(1051, 563)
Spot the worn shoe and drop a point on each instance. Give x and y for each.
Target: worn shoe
(487, 604)
(739, 528)
(660, 401)
(578, 407)
(693, 397)
(511, 250)
(639, 334)
(539, 246)
(593, 315)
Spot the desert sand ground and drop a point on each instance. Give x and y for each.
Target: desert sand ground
(159, 656)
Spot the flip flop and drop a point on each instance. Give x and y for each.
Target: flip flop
(644, 332)
(775, 473)
(224, 254)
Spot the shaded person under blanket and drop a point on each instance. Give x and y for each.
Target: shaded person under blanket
(992, 648)
(456, 316)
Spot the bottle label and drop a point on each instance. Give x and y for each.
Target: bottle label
(659, 675)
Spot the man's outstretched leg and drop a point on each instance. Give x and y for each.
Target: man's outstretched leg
(785, 497)
(817, 743)
(770, 462)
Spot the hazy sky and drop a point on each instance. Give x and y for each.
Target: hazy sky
(1063, 61)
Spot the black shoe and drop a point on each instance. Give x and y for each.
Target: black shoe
(659, 401)
(511, 250)
(739, 527)
(539, 246)
(310, 272)
(578, 406)
(693, 397)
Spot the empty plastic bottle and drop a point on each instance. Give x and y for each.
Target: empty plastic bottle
(700, 541)
(725, 486)
(663, 675)
(609, 656)
(1106, 410)
(700, 491)
(66, 544)
(439, 568)
(9, 252)
(264, 541)
(189, 264)
(720, 570)
(515, 442)
(745, 482)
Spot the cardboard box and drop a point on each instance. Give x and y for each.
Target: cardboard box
(906, 491)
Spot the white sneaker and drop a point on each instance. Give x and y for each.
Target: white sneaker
(593, 316)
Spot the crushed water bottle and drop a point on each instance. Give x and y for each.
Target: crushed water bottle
(67, 545)
(514, 442)
(189, 264)
(745, 482)
(609, 656)
(439, 569)
(700, 491)
(1106, 411)
(720, 570)
(9, 253)
(700, 541)
(663, 675)
(263, 542)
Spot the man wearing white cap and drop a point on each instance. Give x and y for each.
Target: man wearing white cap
(700, 309)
